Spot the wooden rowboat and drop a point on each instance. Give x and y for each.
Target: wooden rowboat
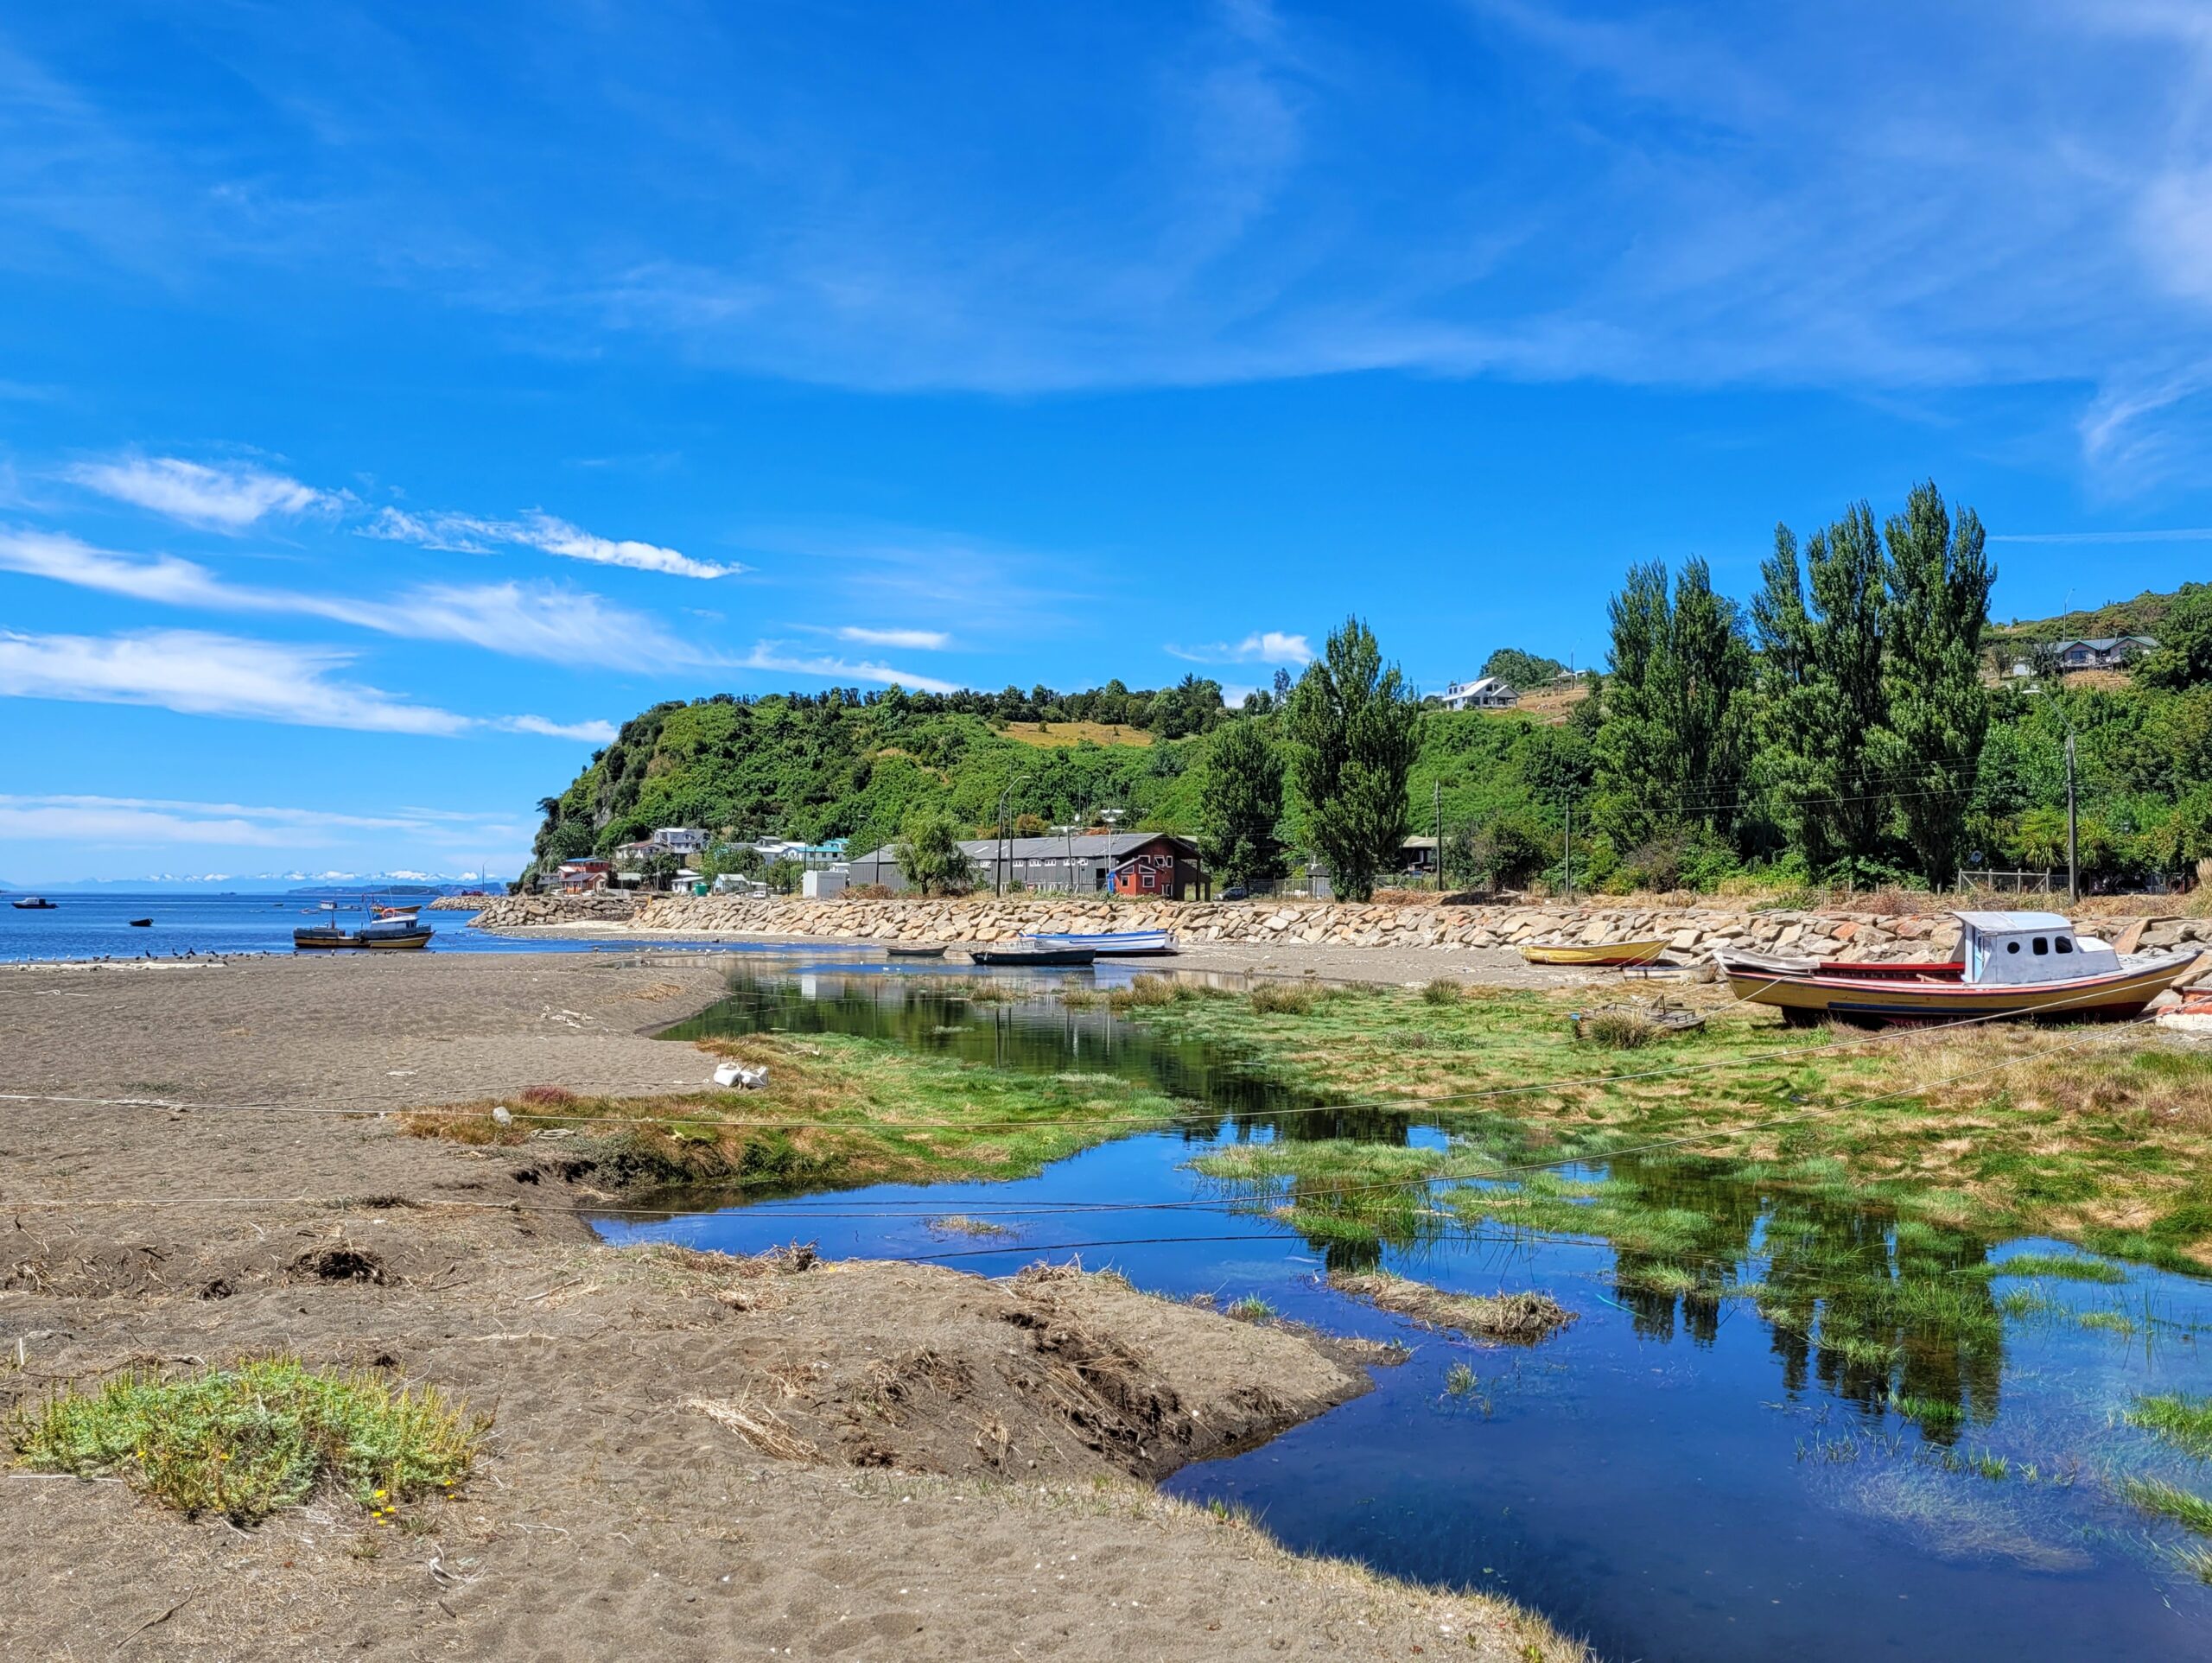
(1595, 953)
(1119, 944)
(1034, 957)
(915, 950)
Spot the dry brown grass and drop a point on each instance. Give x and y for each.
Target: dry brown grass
(1070, 733)
(1519, 1318)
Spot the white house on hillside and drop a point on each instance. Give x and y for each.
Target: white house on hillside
(1488, 693)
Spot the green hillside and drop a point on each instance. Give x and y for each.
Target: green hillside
(842, 765)
(2141, 616)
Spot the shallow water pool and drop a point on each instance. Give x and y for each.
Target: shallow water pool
(1780, 1426)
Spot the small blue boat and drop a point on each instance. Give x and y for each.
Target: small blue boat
(1123, 944)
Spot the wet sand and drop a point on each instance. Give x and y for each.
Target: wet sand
(956, 1466)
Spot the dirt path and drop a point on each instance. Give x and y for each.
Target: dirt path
(693, 1456)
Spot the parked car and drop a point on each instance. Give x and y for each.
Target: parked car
(1237, 892)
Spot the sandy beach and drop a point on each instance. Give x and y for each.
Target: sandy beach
(958, 1466)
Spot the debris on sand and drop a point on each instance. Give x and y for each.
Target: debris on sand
(1518, 1318)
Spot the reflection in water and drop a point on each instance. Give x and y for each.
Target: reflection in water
(1789, 1423)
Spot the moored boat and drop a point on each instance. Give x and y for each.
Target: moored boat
(2009, 964)
(32, 904)
(142, 923)
(915, 949)
(1033, 957)
(393, 928)
(1118, 944)
(1593, 953)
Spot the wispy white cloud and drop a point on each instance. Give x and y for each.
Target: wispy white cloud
(590, 733)
(2189, 534)
(771, 655)
(914, 640)
(225, 498)
(523, 620)
(476, 534)
(142, 821)
(200, 673)
(1260, 647)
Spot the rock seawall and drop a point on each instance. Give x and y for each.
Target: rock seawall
(1844, 935)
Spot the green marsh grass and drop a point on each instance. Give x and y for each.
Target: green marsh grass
(2182, 1418)
(267, 1433)
(2184, 1507)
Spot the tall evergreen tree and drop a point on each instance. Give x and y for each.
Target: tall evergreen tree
(1353, 725)
(1672, 748)
(1825, 708)
(1240, 805)
(1939, 583)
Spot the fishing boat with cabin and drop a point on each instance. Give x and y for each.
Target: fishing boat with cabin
(2009, 964)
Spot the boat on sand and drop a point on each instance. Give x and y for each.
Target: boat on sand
(393, 928)
(2009, 964)
(1591, 954)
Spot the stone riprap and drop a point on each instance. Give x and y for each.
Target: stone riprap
(1690, 931)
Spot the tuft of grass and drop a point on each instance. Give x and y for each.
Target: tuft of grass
(2057, 1267)
(1621, 1029)
(2182, 1418)
(2185, 1507)
(1442, 991)
(1459, 1380)
(961, 1224)
(2115, 1322)
(1250, 1309)
(267, 1433)
(1284, 998)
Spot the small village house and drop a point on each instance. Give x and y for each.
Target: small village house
(1487, 693)
(1148, 865)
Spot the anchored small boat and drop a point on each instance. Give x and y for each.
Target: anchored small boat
(32, 904)
(2009, 964)
(915, 949)
(1118, 944)
(142, 923)
(1033, 957)
(1593, 954)
(399, 928)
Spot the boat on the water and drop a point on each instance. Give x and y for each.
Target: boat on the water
(1033, 957)
(915, 949)
(32, 904)
(2009, 964)
(392, 928)
(142, 923)
(1118, 944)
(1593, 953)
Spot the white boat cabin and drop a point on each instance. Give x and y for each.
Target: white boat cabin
(2012, 948)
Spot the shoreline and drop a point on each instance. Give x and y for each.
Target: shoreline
(616, 1506)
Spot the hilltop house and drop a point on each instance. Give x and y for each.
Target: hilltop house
(2104, 652)
(1488, 693)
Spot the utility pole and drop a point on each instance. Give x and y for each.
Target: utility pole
(1567, 871)
(2073, 869)
(1440, 839)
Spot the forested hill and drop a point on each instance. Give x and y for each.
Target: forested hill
(842, 764)
(2141, 616)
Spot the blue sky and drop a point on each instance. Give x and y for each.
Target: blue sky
(392, 398)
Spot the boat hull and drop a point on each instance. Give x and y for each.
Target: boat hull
(1123, 944)
(1877, 1000)
(914, 952)
(308, 940)
(1597, 954)
(1035, 957)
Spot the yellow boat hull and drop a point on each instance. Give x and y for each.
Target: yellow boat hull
(1600, 953)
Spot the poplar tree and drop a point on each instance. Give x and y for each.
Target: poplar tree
(1825, 712)
(1353, 725)
(1672, 748)
(1939, 583)
(1241, 804)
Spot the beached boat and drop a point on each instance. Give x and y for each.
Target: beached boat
(32, 904)
(1033, 957)
(915, 949)
(1119, 944)
(2009, 964)
(1594, 953)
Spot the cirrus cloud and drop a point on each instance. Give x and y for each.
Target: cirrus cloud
(223, 499)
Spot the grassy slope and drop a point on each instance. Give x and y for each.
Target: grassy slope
(2140, 616)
